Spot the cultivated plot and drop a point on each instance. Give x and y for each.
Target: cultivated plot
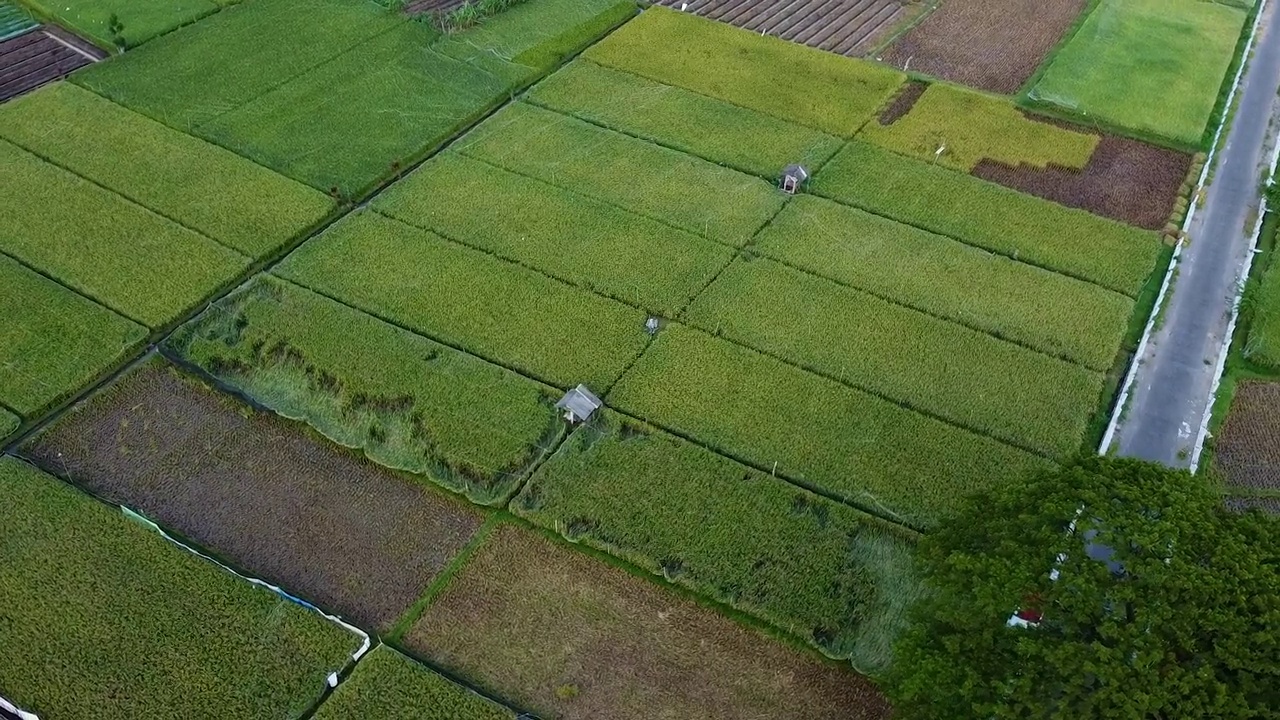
(847, 27)
(407, 402)
(538, 34)
(791, 82)
(573, 638)
(101, 618)
(818, 568)
(1245, 449)
(993, 45)
(339, 531)
(34, 55)
(120, 24)
(544, 328)
(1263, 346)
(1152, 66)
(53, 341)
(389, 686)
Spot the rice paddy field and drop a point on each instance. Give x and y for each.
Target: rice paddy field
(297, 286)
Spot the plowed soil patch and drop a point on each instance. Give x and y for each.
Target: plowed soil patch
(847, 27)
(572, 638)
(258, 491)
(902, 104)
(1125, 180)
(39, 57)
(993, 45)
(1248, 446)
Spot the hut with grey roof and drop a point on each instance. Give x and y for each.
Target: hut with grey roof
(578, 404)
(793, 176)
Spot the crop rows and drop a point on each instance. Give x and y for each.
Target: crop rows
(101, 618)
(934, 366)
(1263, 346)
(539, 34)
(1245, 449)
(576, 239)
(408, 402)
(818, 568)
(1043, 310)
(869, 451)
(104, 246)
(959, 128)
(824, 91)
(674, 117)
(202, 186)
(556, 333)
(989, 216)
(140, 21)
(53, 341)
(389, 686)
(654, 181)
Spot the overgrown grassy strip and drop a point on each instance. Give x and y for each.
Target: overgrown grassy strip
(581, 241)
(793, 82)
(8, 423)
(896, 462)
(198, 184)
(389, 686)
(674, 117)
(556, 333)
(538, 33)
(138, 21)
(1263, 345)
(820, 569)
(135, 262)
(968, 127)
(195, 74)
(52, 341)
(363, 116)
(989, 216)
(409, 403)
(961, 375)
(1052, 313)
(101, 618)
(1154, 66)
(727, 206)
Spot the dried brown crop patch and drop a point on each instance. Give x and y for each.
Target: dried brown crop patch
(1126, 180)
(993, 45)
(261, 492)
(570, 637)
(903, 102)
(1248, 446)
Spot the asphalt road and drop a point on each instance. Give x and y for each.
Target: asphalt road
(1173, 384)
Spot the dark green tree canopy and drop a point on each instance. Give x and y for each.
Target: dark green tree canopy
(1154, 602)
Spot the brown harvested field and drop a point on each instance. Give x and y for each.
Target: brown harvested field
(1247, 449)
(38, 57)
(260, 492)
(846, 27)
(993, 45)
(1126, 180)
(569, 637)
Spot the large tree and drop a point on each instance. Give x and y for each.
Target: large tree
(1140, 597)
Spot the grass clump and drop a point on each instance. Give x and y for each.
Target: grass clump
(827, 92)
(988, 216)
(91, 604)
(819, 569)
(895, 462)
(389, 686)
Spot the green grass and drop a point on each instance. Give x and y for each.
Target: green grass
(52, 341)
(578, 240)
(1043, 310)
(539, 34)
(200, 185)
(192, 76)
(895, 462)
(101, 618)
(539, 326)
(969, 127)
(989, 216)
(141, 21)
(8, 423)
(407, 402)
(362, 116)
(792, 82)
(948, 371)
(1263, 345)
(135, 262)
(728, 206)
(822, 570)
(712, 129)
(389, 686)
(1153, 66)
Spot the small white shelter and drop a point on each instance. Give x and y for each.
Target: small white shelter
(793, 176)
(578, 404)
